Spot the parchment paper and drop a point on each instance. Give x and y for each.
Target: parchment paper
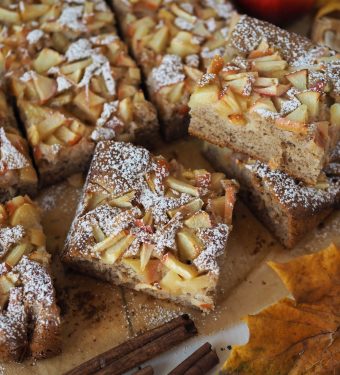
(97, 316)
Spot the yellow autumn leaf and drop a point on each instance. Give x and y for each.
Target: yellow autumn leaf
(299, 336)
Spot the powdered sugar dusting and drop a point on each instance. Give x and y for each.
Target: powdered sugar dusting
(34, 36)
(10, 236)
(119, 169)
(100, 65)
(63, 84)
(215, 239)
(71, 18)
(293, 194)
(10, 157)
(13, 322)
(169, 72)
(78, 50)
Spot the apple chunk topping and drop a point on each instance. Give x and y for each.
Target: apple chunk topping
(153, 221)
(189, 244)
(184, 270)
(21, 232)
(261, 81)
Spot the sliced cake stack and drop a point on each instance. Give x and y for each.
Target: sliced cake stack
(274, 96)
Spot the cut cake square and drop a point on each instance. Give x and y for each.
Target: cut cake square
(288, 208)
(29, 316)
(152, 225)
(68, 101)
(274, 96)
(173, 41)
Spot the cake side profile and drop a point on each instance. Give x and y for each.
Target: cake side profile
(289, 209)
(152, 225)
(17, 174)
(274, 96)
(173, 42)
(29, 316)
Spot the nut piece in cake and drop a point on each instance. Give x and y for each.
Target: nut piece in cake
(29, 316)
(173, 44)
(152, 225)
(274, 96)
(69, 101)
(288, 208)
(17, 174)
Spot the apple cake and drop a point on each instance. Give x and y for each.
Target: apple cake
(17, 175)
(289, 208)
(173, 41)
(276, 99)
(69, 101)
(29, 316)
(27, 27)
(152, 225)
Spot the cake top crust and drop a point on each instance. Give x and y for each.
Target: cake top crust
(153, 187)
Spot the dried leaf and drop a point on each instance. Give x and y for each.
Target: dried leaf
(301, 335)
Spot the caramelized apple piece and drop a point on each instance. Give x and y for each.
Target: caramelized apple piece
(182, 186)
(197, 285)
(170, 282)
(145, 254)
(189, 245)
(185, 270)
(123, 201)
(298, 79)
(9, 16)
(159, 40)
(189, 208)
(206, 94)
(46, 59)
(109, 241)
(200, 219)
(335, 114)
(46, 87)
(312, 100)
(115, 251)
(26, 215)
(98, 233)
(15, 254)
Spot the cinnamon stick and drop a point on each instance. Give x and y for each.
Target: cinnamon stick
(148, 370)
(139, 349)
(198, 363)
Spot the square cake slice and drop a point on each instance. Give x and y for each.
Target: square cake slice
(274, 96)
(29, 316)
(173, 41)
(152, 225)
(69, 101)
(17, 175)
(288, 208)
